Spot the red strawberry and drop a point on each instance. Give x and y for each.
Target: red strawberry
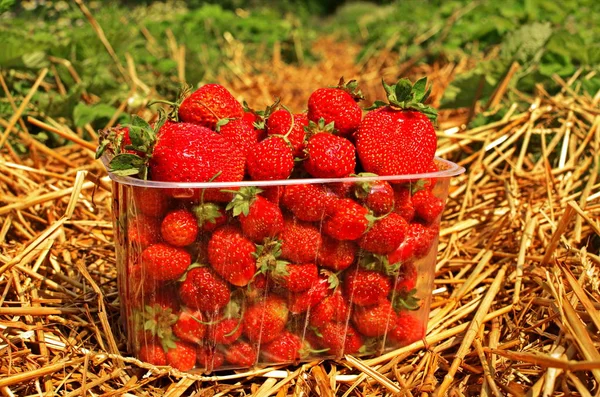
(143, 230)
(378, 196)
(374, 320)
(333, 308)
(385, 236)
(406, 280)
(296, 278)
(340, 338)
(347, 222)
(226, 331)
(153, 353)
(163, 262)
(365, 287)
(427, 206)
(341, 189)
(337, 105)
(398, 139)
(203, 290)
(300, 302)
(149, 201)
(335, 254)
(240, 132)
(164, 298)
(300, 241)
(287, 347)
(407, 329)
(209, 216)
(266, 319)
(270, 159)
(209, 104)
(241, 354)
(284, 123)
(308, 202)
(208, 358)
(329, 156)
(230, 254)
(259, 217)
(256, 289)
(179, 228)
(272, 193)
(417, 243)
(403, 203)
(189, 326)
(182, 356)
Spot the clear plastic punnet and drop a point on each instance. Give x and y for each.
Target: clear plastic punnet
(329, 267)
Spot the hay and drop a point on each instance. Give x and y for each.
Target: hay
(515, 308)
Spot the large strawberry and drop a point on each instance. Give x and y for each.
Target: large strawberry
(283, 123)
(308, 202)
(231, 255)
(374, 320)
(270, 159)
(337, 105)
(266, 319)
(300, 241)
(385, 235)
(259, 218)
(328, 155)
(179, 228)
(348, 221)
(163, 262)
(366, 287)
(240, 132)
(398, 137)
(204, 290)
(209, 104)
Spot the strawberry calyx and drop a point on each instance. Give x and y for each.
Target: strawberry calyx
(364, 187)
(408, 301)
(267, 259)
(351, 87)
(207, 212)
(407, 96)
(313, 128)
(332, 278)
(242, 199)
(173, 113)
(158, 321)
(262, 115)
(379, 263)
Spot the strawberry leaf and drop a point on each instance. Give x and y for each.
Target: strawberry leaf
(127, 164)
(402, 90)
(408, 301)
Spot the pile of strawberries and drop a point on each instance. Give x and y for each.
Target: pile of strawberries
(281, 271)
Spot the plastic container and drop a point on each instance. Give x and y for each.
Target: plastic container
(352, 284)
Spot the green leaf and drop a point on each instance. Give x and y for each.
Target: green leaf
(402, 90)
(35, 60)
(84, 114)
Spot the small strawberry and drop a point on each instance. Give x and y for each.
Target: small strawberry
(270, 159)
(203, 290)
(153, 353)
(407, 329)
(347, 222)
(300, 241)
(240, 132)
(295, 277)
(374, 320)
(179, 228)
(378, 196)
(406, 280)
(283, 123)
(403, 203)
(333, 308)
(385, 236)
(241, 354)
(340, 338)
(398, 138)
(337, 105)
(287, 347)
(427, 206)
(163, 262)
(182, 356)
(143, 230)
(259, 218)
(417, 243)
(263, 321)
(225, 331)
(300, 302)
(189, 326)
(258, 118)
(336, 255)
(149, 201)
(231, 255)
(209, 104)
(209, 216)
(209, 358)
(328, 155)
(365, 287)
(308, 202)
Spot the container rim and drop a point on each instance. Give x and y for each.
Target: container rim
(450, 169)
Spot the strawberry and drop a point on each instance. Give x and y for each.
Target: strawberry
(403, 203)
(164, 299)
(287, 347)
(209, 104)
(308, 202)
(163, 262)
(264, 320)
(179, 228)
(347, 222)
(300, 302)
(270, 159)
(272, 193)
(407, 329)
(427, 206)
(385, 236)
(149, 201)
(283, 123)
(225, 331)
(259, 218)
(153, 353)
(406, 279)
(209, 216)
(340, 338)
(417, 243)
(398, 138)
(230, 255)
(189, 326)
(241, 354)
(332, 308)
(378, 196)
(240, 132)
(329, 156)
(182, 356)
(337, 105)
(296, 278)
(203, 290)
(143, 230)
(335, 254)
(374, 320)
(300, 241)
(209, 358)
(341, 189)
(366, 287)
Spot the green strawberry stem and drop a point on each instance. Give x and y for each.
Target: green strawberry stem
(407, 301)
(313, 128)
(212, 178)
(404, 95)
(242, 199)
(351, 87)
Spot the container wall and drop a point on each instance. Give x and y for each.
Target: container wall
(209, 281)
